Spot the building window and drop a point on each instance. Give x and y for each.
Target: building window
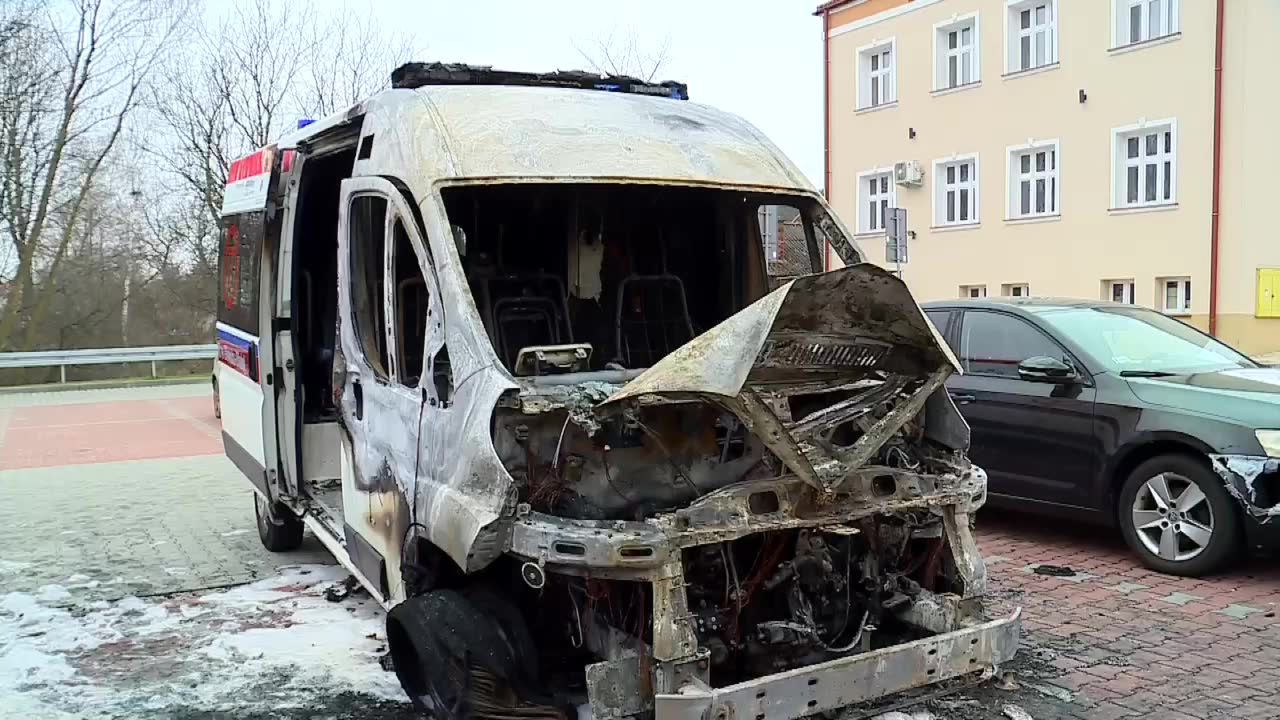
(973, 291)
(1033, 180)
(956, 53)
(1118, 291)
(1175, 295)
(1138, 21)
(876, 194)
(877, 81)
(1015, 290)
(1032, 34)
(1146, 164)
(955, 187)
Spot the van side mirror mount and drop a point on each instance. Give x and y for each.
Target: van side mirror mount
(1042, 368)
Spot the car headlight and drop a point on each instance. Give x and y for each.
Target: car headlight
(1270, 442)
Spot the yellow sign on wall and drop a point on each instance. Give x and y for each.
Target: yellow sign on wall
(1268, 292)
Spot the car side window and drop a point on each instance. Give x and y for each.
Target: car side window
(941, 319)
(994, 343)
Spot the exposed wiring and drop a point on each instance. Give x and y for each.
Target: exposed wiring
(577, 617)
(848, 588)
(733, 568)
(728, 579)
(604, 459)
(555, 460)
(413, 504)
(728, 437)
(697, 492)
(857, 637)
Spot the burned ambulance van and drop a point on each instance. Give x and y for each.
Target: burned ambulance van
(506, 344)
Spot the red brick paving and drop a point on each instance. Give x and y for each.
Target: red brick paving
(1136, 655)
(46, 436)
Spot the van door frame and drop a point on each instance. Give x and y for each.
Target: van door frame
(290, 408)
(376, 530)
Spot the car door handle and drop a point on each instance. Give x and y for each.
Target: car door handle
(357, 391)
(962, 398)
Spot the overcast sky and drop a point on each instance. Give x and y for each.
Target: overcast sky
(761, 59)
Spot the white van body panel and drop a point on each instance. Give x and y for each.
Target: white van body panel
(537, 134)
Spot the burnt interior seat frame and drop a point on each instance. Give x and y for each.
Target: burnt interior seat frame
(674, 324)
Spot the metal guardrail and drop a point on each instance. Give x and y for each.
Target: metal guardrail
(63, 358)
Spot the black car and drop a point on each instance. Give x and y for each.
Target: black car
(1121, 415)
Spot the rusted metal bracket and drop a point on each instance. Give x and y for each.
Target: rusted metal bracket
(879, 434)
(765, 424)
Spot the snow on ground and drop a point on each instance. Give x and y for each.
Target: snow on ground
(271, 645)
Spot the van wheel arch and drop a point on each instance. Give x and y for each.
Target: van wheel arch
(424, 567)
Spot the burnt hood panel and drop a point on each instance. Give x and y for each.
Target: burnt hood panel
(857, 329)
(846, 322)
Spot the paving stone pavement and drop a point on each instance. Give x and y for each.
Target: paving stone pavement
(125, 492)
(111, 493)
(1128, 642)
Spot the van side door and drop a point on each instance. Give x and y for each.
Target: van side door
(383, 299)
(246, 268)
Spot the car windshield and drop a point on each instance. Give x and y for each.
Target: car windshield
(1138, 340)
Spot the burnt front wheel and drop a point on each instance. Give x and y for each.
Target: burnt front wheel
(465, 657)
(278, 528)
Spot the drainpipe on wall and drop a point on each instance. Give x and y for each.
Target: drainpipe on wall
(826, 121)
(1217, 171)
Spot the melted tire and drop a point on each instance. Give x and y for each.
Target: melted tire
(465, 656)
(278, 528)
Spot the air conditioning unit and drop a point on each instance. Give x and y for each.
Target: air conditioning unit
(908, 174)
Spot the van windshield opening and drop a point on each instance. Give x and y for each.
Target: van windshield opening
(571, 278)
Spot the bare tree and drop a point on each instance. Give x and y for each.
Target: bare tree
(353, 59)
(245, 84)
(86, 230)
(85, 62)
(624, 55)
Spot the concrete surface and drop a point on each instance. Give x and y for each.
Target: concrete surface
(132, 584)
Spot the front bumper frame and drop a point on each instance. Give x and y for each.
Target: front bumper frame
(858, 678)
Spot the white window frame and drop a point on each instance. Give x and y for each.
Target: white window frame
(866, 225)
(1121, 163)
(1182, 306)
(1013, 34)
(1052, 178)
(942, 54)
(1170, 21)
(887, 77)
(941, 188)
(1016, 290)
(1126, 291)
(967, 291)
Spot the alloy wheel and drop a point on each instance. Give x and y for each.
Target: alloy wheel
(1172, 517)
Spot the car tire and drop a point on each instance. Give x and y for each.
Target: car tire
(217, 400)
(443, 642)
(1178, 517)
(278, 528)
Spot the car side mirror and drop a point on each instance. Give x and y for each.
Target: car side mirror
(1046, 369)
